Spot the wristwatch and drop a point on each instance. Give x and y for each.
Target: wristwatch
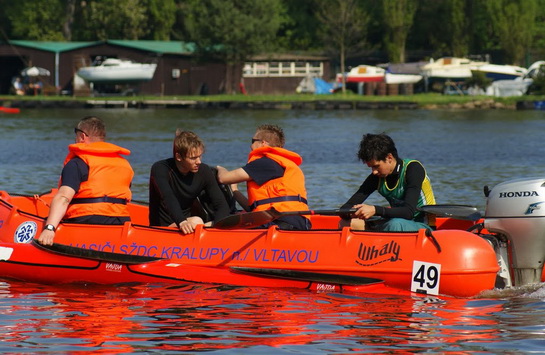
(50, 227)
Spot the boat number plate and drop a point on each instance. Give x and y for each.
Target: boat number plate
(426, 277)
(25, 232)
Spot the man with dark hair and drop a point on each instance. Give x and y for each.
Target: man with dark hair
(175, 184)
(403, 182)
(95, 182)
(273, 178)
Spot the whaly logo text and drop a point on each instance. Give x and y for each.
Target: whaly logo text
(371, 255)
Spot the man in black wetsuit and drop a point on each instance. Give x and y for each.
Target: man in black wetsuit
(403, 182)
(176, 182)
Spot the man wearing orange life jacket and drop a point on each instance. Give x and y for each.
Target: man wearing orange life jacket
(95, 182)
(273, 178)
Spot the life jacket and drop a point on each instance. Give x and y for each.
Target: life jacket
(396, 194)
(107, 190)
(286, 193)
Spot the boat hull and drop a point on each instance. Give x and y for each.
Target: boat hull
(500, 72)
(363, 74)
(460, 263)
(402, 78)
(117, 75)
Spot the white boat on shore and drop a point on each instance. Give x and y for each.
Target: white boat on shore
(535, 69)
(368, 73)
(518, 86)
(392, 78)
(500, 72)
(117, 71)
(450, 68)
(363, 74)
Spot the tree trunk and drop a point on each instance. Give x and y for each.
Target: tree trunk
(233, 77)
(69, 20)
(343, 70)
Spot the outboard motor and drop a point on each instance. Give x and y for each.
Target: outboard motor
(515, 210)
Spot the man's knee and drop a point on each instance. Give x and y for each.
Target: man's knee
(402, 225)
(394, 225)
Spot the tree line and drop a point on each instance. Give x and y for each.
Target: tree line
(234, 30)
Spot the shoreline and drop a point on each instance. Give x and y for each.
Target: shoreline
(258, 104)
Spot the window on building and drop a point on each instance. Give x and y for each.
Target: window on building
(284, 68)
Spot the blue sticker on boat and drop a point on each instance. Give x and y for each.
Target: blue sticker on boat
(25, 232)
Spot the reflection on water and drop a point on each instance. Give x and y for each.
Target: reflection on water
(207, 318)
(461, 150)
(144, 318)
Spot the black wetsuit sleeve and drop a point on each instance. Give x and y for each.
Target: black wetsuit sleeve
(414, 177)
(219, 203)
(368, 186)
(164, 205)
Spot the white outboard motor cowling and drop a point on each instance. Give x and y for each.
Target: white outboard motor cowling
(516, 210)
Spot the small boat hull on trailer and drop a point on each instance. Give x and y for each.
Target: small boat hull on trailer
(448, 261)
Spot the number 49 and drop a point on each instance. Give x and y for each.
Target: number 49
(426, 277)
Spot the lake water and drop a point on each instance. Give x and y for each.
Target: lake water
(462, 151)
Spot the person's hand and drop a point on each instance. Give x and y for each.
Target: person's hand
(46, 237)
(187, 227)
(364, 211)
(234, 187)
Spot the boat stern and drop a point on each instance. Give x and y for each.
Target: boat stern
(515, 210)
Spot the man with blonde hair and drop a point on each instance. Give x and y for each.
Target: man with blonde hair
(176, 183)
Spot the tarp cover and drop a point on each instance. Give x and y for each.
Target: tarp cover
(312, 85)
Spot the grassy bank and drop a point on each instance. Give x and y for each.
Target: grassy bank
(422, 100)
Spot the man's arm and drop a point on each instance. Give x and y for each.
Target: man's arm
(59, 205)
(160, 181)
(219, 203)
(232, 177)
(367, 187)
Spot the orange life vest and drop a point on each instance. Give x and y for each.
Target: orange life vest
(107, 190)
(286, 193)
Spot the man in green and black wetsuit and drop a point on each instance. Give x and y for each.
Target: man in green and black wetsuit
(403, 182)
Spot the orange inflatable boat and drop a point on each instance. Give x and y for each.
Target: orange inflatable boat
(450, 260)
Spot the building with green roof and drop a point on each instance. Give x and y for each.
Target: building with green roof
(177, 72)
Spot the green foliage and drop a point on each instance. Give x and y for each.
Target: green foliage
(35, 19)
(513, 21)
(343, 28)
(299, 30)
(398, 18)
(481, 32)
(539, 33)
(112, 19)
(234, 29)
(479, 80)
(458, 27)
(231, 30)
(161, 16)
(343, 24)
